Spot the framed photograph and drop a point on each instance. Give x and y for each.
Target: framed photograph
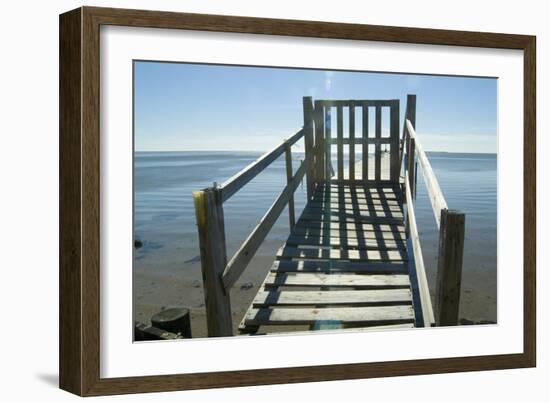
(249, 201)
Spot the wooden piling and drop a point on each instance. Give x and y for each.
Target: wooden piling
(319, 142)
(210, 224)
(449, 267)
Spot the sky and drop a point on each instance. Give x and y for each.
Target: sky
(184, 107)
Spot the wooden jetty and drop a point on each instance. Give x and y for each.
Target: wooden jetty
(353, 259)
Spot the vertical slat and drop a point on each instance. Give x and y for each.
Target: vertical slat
(319, 142)
(210, 225)
(449, 267)
(308, 143)
(352, 142)
(378, 147)
(411, 164)
(394, 136)
(328, 146)
(288, 159)
(365, 164)
(340, 141)
(410, 114)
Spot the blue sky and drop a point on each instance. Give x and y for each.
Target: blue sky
(180, 107)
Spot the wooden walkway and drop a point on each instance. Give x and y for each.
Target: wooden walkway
(353, 259)
(343, 266)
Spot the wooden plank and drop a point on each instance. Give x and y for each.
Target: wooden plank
(352, 218)
(424, 289)
(432, 185)
(348, 315)
(246, 252)
(338, 266)
(351, 143)
(340, 330)
(319, 142)
(237, 181)
(351, 214)
(411, 166)
(210, 225)
(308, 145)
(449, 267)
(394, 147)
(288, 163)
(352, 203)
(362, 229)
(354, 207)
(346, 234)
(365, 156)
(410, 114)
(334, 297)
(340, 144)
(328, 135)
(377, 147)
(337, 280)
(290, 252)
(357, 102)
(372, 243)
(360, 141)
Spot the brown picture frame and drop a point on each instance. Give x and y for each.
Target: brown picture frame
(80, 183)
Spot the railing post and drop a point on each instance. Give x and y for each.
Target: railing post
(319, 167)
(449, 267)
(289, 176)
(411, 164)
(308, 143)
(210, 223)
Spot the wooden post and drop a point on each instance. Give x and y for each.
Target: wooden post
(210, 223)
(308, 143)
(328, 146)
(394, 147)
(410, 114)
(449, 267)
(288, 160)
(319, 142)
(365, 150)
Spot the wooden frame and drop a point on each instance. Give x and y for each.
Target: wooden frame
(79, 200)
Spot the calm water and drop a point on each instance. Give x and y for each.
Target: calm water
(164, 217)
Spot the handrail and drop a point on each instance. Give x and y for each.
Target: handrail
(424, 290)
(246, 252)
(241, 178)
(432, 185)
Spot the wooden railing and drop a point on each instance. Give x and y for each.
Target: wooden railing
(450, 224)
(218, 274)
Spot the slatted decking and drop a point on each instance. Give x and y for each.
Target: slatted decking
(344, 265)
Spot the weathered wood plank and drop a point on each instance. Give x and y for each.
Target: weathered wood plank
(246, 252)
(290, 252)
(365, 150)
(327, 142)
(338, 266)
(350, 208)
(351, 141)
(337, 280)
(347, 235)
(308, 145)
(373, 243)
(359, 229)
(334, 297)
(340, 144)
(210, 225)
(319, 142)
(237, 181)
(352, 218)
(394, 136)
(295, 316)
(377, 147)
(351, 215)
(354, 203)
